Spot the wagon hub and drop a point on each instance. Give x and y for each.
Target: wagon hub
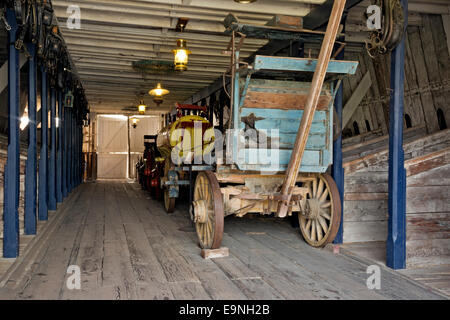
(312, 208)
(200, 211)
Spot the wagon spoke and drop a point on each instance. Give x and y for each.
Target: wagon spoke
(308, 224)
(302, 221)
(313, 230)
(324, 195)
(319, 231)
(308, 228)
(319, 189)
(323, 224)
(325, 214)
(207, 233)
(326, 205)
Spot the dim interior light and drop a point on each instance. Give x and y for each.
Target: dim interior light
(24, 120)
(181, 55)
(142, 107)
(158, 93)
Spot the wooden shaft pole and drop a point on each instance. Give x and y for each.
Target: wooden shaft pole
(311, 105)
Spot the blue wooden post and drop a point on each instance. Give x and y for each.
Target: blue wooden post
(78, 172)
(43, 208)
(75, 152)
(337, 169)
(69, 155)
(68, 135)
(64, 149)
(396, 242)
(72, 151)
(52, 161)
(59, 195)
(31, 166)
(12, 167)
(69, 149)
(78, 162)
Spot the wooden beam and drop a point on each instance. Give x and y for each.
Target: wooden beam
(446, 21)
(356, 98)
(319, 16)
(311, 104)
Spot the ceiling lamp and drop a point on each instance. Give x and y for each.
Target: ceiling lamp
(245, 1)
(181, 55)
(142, 107)
(134, 122)
(158, 94)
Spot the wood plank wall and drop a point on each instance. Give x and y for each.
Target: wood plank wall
(428, 209)
(428, 197)
(427, 86)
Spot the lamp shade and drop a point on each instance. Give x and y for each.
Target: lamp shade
(158, 93)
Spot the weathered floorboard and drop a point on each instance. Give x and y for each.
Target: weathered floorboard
(128, 248)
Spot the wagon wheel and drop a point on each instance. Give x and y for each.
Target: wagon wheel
(169, 203)
(321, 214)
(208, 210)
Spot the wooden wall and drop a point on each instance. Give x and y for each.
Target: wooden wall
(428, 209)
(428, 196)
(427, 86)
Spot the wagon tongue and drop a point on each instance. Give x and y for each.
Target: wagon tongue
(311, 105)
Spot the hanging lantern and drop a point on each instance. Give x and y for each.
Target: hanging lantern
(134, 122)
(142, 107)
(181, 55)
(158, 93)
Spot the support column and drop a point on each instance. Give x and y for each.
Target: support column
(396, 242)
(52, 161)
(64, 149)
(59, 195)
(12, 167)
(337, 170)
(80, 154)
(31, 166)
(74, 150)
(69, 150)
(43, 208)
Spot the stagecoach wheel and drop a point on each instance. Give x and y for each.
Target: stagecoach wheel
(321, 216)
(169, 203)
(208, 210)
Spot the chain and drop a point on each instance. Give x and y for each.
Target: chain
(442, 86)
(3, 18)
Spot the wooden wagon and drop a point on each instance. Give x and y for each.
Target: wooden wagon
(288, 102)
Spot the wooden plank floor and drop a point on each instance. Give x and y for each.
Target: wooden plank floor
(128, 248)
